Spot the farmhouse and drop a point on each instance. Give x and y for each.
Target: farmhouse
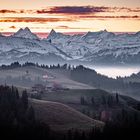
(39, 88)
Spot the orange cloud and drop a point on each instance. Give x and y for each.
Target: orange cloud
(108, 17)
(12, 27)
(3, 11)
(20, 11)
(73, 10)
(34, 19)
(68, 27)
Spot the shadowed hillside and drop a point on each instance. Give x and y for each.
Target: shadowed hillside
(60, 117)
(97, 103)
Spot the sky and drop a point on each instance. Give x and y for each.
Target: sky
(70, 15)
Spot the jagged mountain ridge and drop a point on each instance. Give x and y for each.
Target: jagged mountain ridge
(25, 33)
(93, 47)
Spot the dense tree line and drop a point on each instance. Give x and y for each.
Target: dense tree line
(17, 65)
(91, 77)
(109, 107)
(17, 117)
(14, 110)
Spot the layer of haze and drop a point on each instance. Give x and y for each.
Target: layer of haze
(117, 71)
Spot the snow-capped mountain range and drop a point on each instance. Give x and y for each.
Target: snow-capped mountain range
(101, 47)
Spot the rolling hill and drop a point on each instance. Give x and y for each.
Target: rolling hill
(80, 77)
(28, 76)
(61, 117)
(93, 102)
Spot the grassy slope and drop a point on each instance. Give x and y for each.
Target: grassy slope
(61, 117)
(72, 99)
(60, 76)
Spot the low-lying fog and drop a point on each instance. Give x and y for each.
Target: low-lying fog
(116, 71)
(110, 71)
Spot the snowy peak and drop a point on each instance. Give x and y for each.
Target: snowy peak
(99, 34)
(105, 33)
(27, 30)
(52, 34)
(25, 33)
(1, 34)
(138, 34)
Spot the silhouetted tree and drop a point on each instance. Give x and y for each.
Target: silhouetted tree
(64, 66)
(117, 98)
(58, 66)
(103, 100)
(92, 101)
(24, 99)
(17, 94)
(31, 115)
(110, 101)
(83, 101)
(69, 67)
(69, 135)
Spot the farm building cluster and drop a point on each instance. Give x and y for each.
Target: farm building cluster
(47, 87)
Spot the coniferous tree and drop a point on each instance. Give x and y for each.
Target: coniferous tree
(58, 66)
(31, 115)
(69, 67)
(24, 99)
(64, 66)
(110, 101)
(17, 94)
(69, 135)
(92, 101)
(103, 100)
(117, 98)
(83, 101)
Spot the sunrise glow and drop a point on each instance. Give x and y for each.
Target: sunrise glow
(70, 16)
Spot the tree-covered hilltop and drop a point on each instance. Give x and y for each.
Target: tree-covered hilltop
(92, 78)
(79, 74)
